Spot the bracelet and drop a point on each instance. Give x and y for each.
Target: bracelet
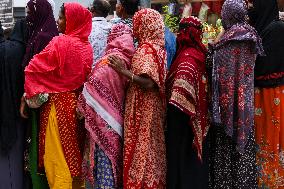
(132, 78)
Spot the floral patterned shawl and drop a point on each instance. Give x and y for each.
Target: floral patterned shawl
(102, 102)
(233, 74)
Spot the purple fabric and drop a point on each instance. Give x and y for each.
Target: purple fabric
(41, 28)
(234, 21)
(233, 74)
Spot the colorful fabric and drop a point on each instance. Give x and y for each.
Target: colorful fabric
(127, 21)
(187, 79)
(102, 102)
(41, 28)
(70, 131)
(65, 63)
(103, 172)
(144, 141)
(38, 180)
(228, 168)
(233, 74)
(56, 168)
(98, 37)
(269, 125)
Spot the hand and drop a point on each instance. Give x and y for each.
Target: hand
(116, 63)
(219, 37)
(23, 107)
(281, 15)
(80, 116)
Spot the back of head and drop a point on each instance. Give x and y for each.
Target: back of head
(148, 27)
(78, 20)
(52, 3)
(19, 31)
(233, 12)
(190, 33)
(263, 13)
(101, 8)
(130, 6)
(39, 12)
(120, 40)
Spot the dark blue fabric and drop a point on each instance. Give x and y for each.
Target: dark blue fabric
(103, 172)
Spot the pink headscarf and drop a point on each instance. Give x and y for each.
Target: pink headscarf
(65, 63)
(106, 88)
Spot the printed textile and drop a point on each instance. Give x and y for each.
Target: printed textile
(187, 79)
(98, 37)
(269, 126)
(102, 104)
(144, 141)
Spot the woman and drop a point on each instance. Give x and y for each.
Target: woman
(41, 29)
(57, 73)
(102, 105)
(144, 142)
(187, 118)
(269, 81)
(233, 144)
(12, 127)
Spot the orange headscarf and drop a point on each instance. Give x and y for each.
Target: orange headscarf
(65, 63)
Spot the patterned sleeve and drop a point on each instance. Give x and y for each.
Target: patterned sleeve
(81, 105)
(185, 86)
(143, 63)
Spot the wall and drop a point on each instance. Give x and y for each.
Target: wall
(19, 3)
(59, 3)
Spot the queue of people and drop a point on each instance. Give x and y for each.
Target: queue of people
(93, 103)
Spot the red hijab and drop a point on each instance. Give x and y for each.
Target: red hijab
(65, 63)
(187, 80)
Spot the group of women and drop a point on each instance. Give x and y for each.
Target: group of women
(213, 120)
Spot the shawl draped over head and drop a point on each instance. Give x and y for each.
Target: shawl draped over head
(187, 80)
(148, 29)
(65, 63)
(236, 97)
(102, 100)
(269, 69)
(41, 28)
(263, 13)
(11, 82)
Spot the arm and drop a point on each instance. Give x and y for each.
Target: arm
(142, 80)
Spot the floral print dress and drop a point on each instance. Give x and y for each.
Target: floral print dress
(269, 125)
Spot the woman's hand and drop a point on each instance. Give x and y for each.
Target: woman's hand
(23, 107)
(79, 114)
(117, 64)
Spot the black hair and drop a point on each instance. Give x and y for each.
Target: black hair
(130, 6)
(62, 9)
(101, 7)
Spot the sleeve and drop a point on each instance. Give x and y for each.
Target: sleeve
(47, 60)
(144, 63)
(37, 101)
(184, 90)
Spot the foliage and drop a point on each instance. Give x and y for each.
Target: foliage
(171, 21)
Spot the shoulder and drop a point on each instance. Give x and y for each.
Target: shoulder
(45, 36)
(274, 31)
